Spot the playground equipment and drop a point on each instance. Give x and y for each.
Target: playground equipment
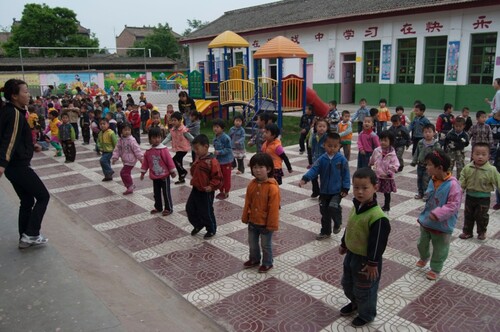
(221, 83)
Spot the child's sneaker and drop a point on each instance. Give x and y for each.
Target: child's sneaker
(222, 195)
(166, 212)
(265, 268)
(432, 275)
(27, 241)
(336, 230)
(465, 236)
(129, 190)
(481, 236)
(421, 263)
(320, 236)
(496, 206)
(348, 309)
(418, 196)
(180, 181)
(107, 178)
(249, 264)
(358, 322)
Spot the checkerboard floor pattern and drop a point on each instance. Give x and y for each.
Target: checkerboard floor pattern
(302, 292)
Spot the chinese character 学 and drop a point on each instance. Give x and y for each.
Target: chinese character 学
(348, 34)
(431, 26)
(371, 32)
(295, 39)
(481, 23)
(407, 29)
(319, 36)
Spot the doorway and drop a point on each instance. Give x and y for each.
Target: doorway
(348, 79)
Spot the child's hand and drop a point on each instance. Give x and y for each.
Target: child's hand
(208, 189)
(142, 176)
(290, 170)
(371, 272)
(413, 164)
(343, 194)
(342, 250)
(433, 217)
(37, 147)
(302, 183)
(173, 174)
(303, 131)
(362, 152)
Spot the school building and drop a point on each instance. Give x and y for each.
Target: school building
(437, 51)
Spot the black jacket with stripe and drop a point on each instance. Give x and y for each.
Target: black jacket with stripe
(16, 142)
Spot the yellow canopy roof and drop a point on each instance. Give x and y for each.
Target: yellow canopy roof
(280, 47)
(228, 39)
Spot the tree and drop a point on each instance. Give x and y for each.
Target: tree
(43, 26)
(194, 24)
(161, 42)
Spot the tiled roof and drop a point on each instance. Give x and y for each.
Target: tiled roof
(144, 31)
(292, 12)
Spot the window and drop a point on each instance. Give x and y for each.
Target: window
(372, 61)
(407, 54)
(238, 58)
(482, 59)
(435, 59)
(259, 66)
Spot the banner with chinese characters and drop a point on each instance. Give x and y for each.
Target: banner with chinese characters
(453, 55)
(386, 62)
(331, 63)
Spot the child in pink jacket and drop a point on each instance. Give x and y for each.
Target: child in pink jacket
(385, 164)
(160, 164)
(367, 142)
(129, 150)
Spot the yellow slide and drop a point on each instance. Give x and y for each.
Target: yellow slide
(203, 106)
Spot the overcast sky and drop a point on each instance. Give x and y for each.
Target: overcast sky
(107, 18)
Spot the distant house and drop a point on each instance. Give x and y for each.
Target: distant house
(4, 36)
(130, 35)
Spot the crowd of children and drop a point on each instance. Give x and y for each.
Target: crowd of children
(382, 140)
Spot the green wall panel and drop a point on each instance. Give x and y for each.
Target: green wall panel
(327, 91)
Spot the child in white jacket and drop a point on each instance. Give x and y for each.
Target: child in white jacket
(129, 150)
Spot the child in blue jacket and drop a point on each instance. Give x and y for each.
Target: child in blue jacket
(333, 170)
(224, 154)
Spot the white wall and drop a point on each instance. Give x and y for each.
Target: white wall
(457, 25)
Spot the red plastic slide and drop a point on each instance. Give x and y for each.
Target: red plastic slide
(320, 107)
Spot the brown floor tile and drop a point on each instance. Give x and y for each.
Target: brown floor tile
(109, 211)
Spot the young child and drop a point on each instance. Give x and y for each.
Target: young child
(377, 125)
(237, 134)
(224, 155)
(144, 115)
(425, 146)
(85, 124)
(345, 132)
(120, 118)
(206, 178)
(53, 127)
(181, 144)
(367, 142)
(67, 138)
(384, 115)
(135, 120)
(319, 134)
(444, 123)
(417, 126)
(168, 114)
(333, 170)
(106, 142)
(454, 144)
(364, 242)
(494, 123)
(333, 116)
(161, 166)
(155, 121)
(129, 150)
(261, 212)
(468, 120)
(306, 121)
(405, 121)
(440, 213)
(481, 132)
(360, 114)
(478, 178)
(94, 127)
(401, 139)
(257, 138)
(273, 147)
(385, 164)
(113, 125)
(194, 129)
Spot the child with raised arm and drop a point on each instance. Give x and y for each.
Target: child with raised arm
(424, 146)
(261, 212)
(345, 132)
(237, 135)
(333, 170)
(67, 138)
(401, 139)
(440, 213)
(129, 150)
(206, 178)
(306, 121)
(224, 155)
(273, 147)
(367, 142)
(454, 144)
(106, 143)
(181, 144)
(364, 242)
(385, 164)
(161, 167)
(478, 179)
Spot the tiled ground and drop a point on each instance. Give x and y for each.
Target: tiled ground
(302, 292)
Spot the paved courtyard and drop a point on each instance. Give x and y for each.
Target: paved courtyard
(302, 292)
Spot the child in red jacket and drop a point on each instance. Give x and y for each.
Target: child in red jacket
(135, 119)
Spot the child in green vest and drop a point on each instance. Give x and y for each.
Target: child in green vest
(364, 243)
